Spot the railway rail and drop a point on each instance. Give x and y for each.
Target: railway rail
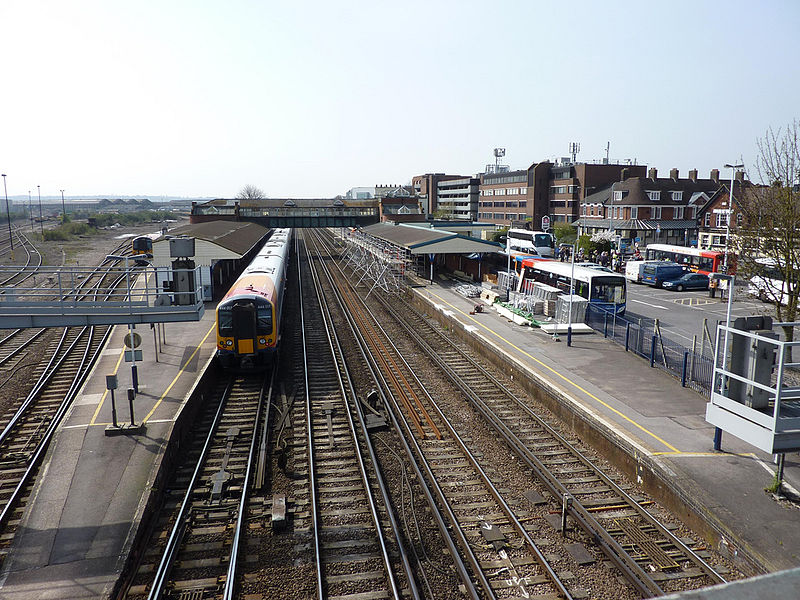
(644, 550)
(195, 546)
(27, 430)
(355, 538)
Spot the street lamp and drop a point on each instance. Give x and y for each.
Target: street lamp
(730, 213)
(30, 210)
(571, 292)
(8, 214)
(63, 209)
(41, 219)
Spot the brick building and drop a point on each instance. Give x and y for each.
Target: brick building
(651, 208)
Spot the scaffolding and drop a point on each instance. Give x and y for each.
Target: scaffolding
(376, 262)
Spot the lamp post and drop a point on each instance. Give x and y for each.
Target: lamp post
(63, 209)
(41, 219)
(30, 210)
(723, 386)
(728, 219)
(571, 292)
(8, 214)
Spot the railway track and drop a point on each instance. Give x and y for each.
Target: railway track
(56, 380)
(195, 547)
(354, 537)
(652, 558)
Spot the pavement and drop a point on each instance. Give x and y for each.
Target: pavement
(84, 512)
(661, 428)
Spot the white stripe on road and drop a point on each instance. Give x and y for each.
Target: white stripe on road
(648, 304)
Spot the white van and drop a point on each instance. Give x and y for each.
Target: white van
(633, 269)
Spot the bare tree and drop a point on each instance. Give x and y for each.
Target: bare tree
(251, 192)
(770, 234)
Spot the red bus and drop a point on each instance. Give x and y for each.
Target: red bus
(694, 259)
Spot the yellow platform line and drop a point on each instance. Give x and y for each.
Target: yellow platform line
(564, 378)
(175, 379)
(158, 402)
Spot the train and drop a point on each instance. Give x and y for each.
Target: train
(142, 249)
(248, 317)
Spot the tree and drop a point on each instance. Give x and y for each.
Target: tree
(565, 233)
(771, 220)
(250, 192)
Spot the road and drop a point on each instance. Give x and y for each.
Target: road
(681, 314)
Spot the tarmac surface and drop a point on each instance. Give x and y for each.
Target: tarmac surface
(82, 517)
(83, 514)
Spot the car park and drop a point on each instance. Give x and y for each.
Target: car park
(688, 281)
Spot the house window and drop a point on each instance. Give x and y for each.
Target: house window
(617, 196)
(678, 210)
(654, 196)
(722, 220)
(488, 192)
(693, 212)
(656, 212)
(707, 222)
(677, 196)
(634, 212)
(739, 219)
(500, 192)
(511, 191)
(523, 190)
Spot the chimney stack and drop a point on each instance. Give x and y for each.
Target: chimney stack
(693, 175)
(673, 174)
(740, 176)
(623, 174)
(652, 173)
(715, 175)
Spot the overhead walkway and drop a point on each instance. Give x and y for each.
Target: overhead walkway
(52, 297)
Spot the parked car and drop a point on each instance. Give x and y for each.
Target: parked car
(689, 281)
(656, 273)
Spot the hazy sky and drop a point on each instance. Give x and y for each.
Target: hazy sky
(308, 99)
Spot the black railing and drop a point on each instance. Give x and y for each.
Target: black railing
(695, 370)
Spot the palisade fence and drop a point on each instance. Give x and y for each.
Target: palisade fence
(695, 370)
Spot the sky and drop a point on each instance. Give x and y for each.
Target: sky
(307, 99)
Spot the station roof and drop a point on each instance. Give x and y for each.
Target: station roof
(237, 237)
(422, 240)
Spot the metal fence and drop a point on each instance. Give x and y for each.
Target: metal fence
(693, 368)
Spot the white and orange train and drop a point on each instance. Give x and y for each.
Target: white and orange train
(249, 316)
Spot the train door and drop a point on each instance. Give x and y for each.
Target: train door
(244, 328)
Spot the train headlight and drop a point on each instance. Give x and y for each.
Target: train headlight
(229, 342)
(262, 341)
(269, 341)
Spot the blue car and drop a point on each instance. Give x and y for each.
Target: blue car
(689, 281)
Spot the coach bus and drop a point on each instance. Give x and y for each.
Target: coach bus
(601, 288)
(692, 259)
(531, 242)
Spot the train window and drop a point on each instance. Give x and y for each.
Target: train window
(264, 319)
(225, 316)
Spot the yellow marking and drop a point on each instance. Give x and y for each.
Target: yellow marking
(186, 364)
(567, 380)
(692, 301)
(105, 393)
(704, 454)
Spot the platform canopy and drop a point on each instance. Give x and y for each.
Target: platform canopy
(422, 240)
(214, 240)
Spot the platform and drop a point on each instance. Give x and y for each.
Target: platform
(78, 528)
(644, 414)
